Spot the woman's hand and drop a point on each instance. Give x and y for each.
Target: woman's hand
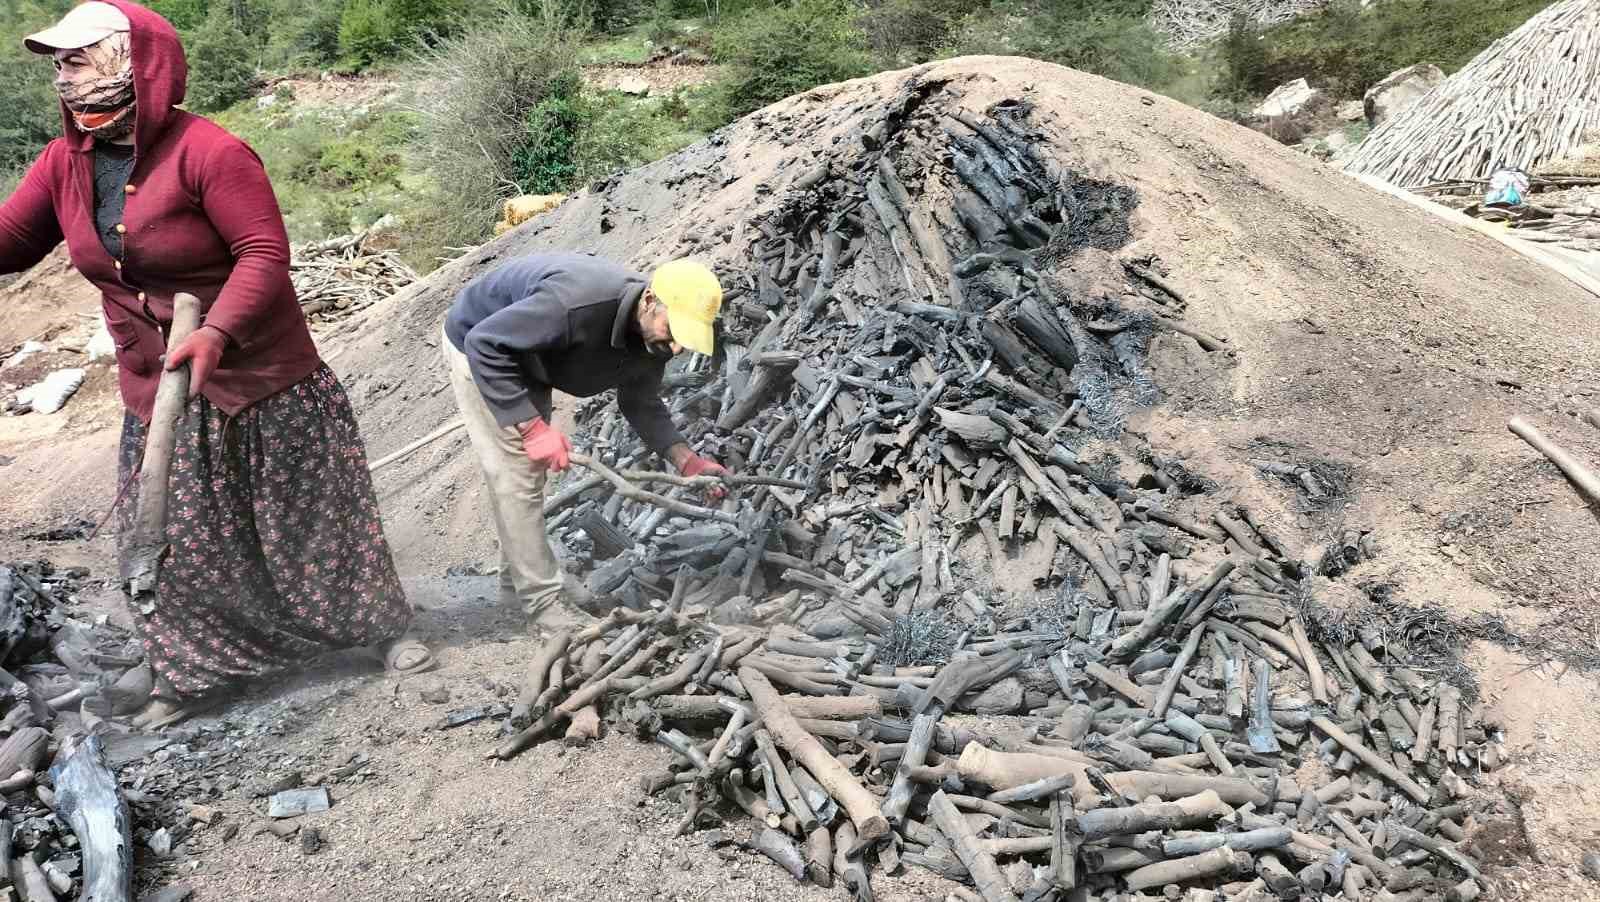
(202, 350)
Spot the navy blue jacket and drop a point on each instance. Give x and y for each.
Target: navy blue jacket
(562, 321)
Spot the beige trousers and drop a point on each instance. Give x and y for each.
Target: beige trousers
(528, 565)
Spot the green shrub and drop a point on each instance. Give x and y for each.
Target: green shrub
(1105, 37)
(185, 15)
(374, 30)
(902, 32)
(1346, 49)
(474, 120)
(621, 132)
(220, 74)
(354, 163)
(786, 49)
(1244, 59)
(662, 28)
(302, 33)
(546, 161)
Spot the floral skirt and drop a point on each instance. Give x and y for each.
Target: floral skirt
(277, 553)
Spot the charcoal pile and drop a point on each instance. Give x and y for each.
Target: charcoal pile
(66, 826)
(906, 364)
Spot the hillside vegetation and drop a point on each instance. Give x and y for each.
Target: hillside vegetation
(492, 99)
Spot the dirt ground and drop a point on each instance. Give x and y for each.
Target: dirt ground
(1365, 335)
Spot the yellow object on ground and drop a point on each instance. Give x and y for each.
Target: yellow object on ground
(518, 210)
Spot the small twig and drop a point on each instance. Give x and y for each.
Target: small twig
(632, 492)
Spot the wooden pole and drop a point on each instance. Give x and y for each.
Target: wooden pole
(1581, 476)
(148, 542)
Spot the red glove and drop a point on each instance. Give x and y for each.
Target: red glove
(695, 465)
(546, 446)
(201, 350)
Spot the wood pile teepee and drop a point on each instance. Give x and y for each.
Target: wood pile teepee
(1525, 101)
(1186, 24)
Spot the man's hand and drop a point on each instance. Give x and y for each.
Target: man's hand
(695, 465)
(547, 447)
(202, 350)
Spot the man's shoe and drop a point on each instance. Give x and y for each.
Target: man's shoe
(578, 597)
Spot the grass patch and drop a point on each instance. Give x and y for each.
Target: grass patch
(627, 47)
(337, 171)
(622, 132)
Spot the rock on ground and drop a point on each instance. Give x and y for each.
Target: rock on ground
(1287, 99)
(1400, 89)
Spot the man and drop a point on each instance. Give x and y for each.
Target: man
(582, 325)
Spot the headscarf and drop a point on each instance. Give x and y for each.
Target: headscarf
(103, 106)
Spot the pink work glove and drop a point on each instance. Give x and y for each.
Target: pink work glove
(202, 350)
(546, 446)
(695, 465)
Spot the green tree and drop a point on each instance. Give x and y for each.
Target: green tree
(546, 162)
(220, 73)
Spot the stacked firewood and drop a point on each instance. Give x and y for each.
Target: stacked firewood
(905, 368)
(340, 276)
(1558, 211)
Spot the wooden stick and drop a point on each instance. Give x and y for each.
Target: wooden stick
(858, 803)
(147, 541)
(792, 799)
(1419, 749)
(1308, 655)
(1169, 685)
(1162, 873)
(1438, 848)
(1384, 768)
(1581, 476)
(632, 492)
(538, 669)
(979, 863)
(1201, 808)
(1448, 720)
(417, 445)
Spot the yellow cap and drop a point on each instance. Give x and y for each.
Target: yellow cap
(689, 291)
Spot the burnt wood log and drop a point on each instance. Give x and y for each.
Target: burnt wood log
(858, 803)
(782, 850)
(848, 863)
(608, 541)
(534, 681)
(12, 625)
(1044, 329)
(992, 884)
(88, 799)
(772, 377)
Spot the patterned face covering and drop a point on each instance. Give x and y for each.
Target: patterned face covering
(100, 95)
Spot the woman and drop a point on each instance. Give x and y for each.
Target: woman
(276, 549)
